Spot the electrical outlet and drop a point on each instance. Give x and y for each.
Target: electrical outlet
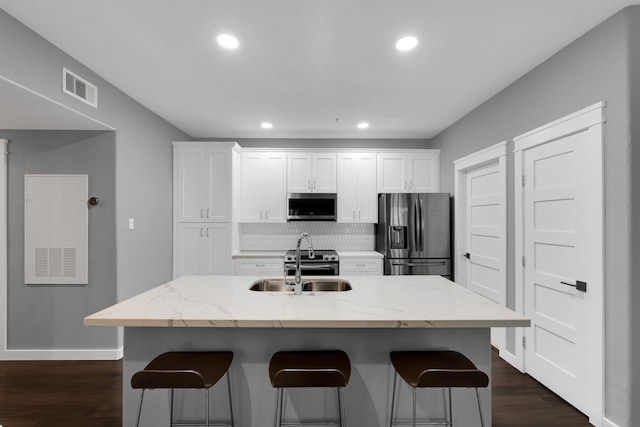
(131, 224)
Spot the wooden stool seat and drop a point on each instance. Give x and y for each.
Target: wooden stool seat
(184, 370)
(323, 368)
(445, 368)
(437, 369)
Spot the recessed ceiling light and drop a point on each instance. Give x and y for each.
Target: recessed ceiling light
(363, 125)
(227, 41)
(266, 125)
(406, 43)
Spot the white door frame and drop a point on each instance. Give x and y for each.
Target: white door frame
(3, 246)
(590, 117)
(495, 154)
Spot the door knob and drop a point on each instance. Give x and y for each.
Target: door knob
(467, 255)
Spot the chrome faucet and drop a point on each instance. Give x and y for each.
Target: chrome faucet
(298, 277)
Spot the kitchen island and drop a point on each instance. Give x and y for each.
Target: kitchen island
(380, 314)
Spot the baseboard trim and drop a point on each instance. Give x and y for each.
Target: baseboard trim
(85, 354)
(607, 423)
(510, 359)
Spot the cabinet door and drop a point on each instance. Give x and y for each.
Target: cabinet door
(367, 197)
(261, 267)
(190, 185)
(192, 250)
(217, 200)
(361, 267)
(252, 187)
(299, 173)
(424, 174)
(347, 187)
(391, 173)
(217, 238)
(324, 173)
(275, 187)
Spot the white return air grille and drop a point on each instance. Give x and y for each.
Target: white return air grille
(56, 229)
(79, 88)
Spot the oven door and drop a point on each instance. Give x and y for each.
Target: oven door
(314, 269)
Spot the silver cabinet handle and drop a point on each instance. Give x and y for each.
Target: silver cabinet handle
(259, 265)
(207, 232)
(201, 232)
(309, 184)
(360, 265)
(201, 213)
(315, 187)
(266, 214)
(359, 214)
(208, 213)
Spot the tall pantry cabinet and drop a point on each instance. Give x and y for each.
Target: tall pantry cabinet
(203, 207)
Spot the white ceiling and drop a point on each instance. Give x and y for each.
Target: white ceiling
(314, 68)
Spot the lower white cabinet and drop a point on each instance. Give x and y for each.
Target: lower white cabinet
(203, 249)
(263, 267)
(361, 266)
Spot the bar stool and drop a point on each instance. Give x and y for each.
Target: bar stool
(327, 368)
(445, 369)
(185, 370)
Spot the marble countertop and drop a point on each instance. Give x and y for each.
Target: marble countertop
(374, 302)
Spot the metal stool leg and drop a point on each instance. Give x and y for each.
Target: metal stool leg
(171, 409)
(414, 407)
(480, 407)
(450, 408)
(343, 422)
(140, 408)
(393, 397)
(230, 400)
(277, 410)
(207, 410)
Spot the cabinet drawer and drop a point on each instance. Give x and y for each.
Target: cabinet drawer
(259, 267)
(361, 267)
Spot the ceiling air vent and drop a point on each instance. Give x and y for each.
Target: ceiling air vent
(79, 88)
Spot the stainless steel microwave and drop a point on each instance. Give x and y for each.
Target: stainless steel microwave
(311, 207)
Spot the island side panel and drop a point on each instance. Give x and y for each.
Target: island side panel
(367, 397)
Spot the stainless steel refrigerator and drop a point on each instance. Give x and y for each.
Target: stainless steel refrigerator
(414, 233)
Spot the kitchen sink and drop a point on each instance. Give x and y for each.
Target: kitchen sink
(308, 285)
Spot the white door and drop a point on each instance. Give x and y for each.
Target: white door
(391, 173)
(218, 240)
(217, 200)
(193, 188)
(562, 265)
(481, 228)
(192, 249)
(299, 173)
(485, 233)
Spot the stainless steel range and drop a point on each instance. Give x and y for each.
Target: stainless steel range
(324, 263)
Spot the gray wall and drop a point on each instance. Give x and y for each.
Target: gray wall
(593, 68)
(45, 313)
(143, 177)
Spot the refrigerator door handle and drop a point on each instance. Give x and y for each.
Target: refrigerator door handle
(419, 264)
(416, 227)
(421, 225)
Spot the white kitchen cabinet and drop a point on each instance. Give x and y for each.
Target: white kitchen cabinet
(203, 249)
(262, 267)
(263, 187)
(409, 172)
(202, 183)
(356, 181)
(364, 266)
(311, 172)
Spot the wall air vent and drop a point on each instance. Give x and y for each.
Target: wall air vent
(79, 88)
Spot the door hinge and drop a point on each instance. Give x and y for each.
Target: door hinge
(524, 342)
(524, 264)
(523, 181)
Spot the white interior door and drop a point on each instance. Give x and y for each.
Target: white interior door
(485, 233)
(480, 227)
(562, 265)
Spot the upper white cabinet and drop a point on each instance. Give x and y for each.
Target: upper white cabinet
(311, 172)
(263, 186)
(202, 183)
(409, 172)
(357, 195)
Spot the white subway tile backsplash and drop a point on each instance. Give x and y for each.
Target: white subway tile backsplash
(325, 235)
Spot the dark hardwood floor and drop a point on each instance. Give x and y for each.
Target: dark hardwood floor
(88, 394)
